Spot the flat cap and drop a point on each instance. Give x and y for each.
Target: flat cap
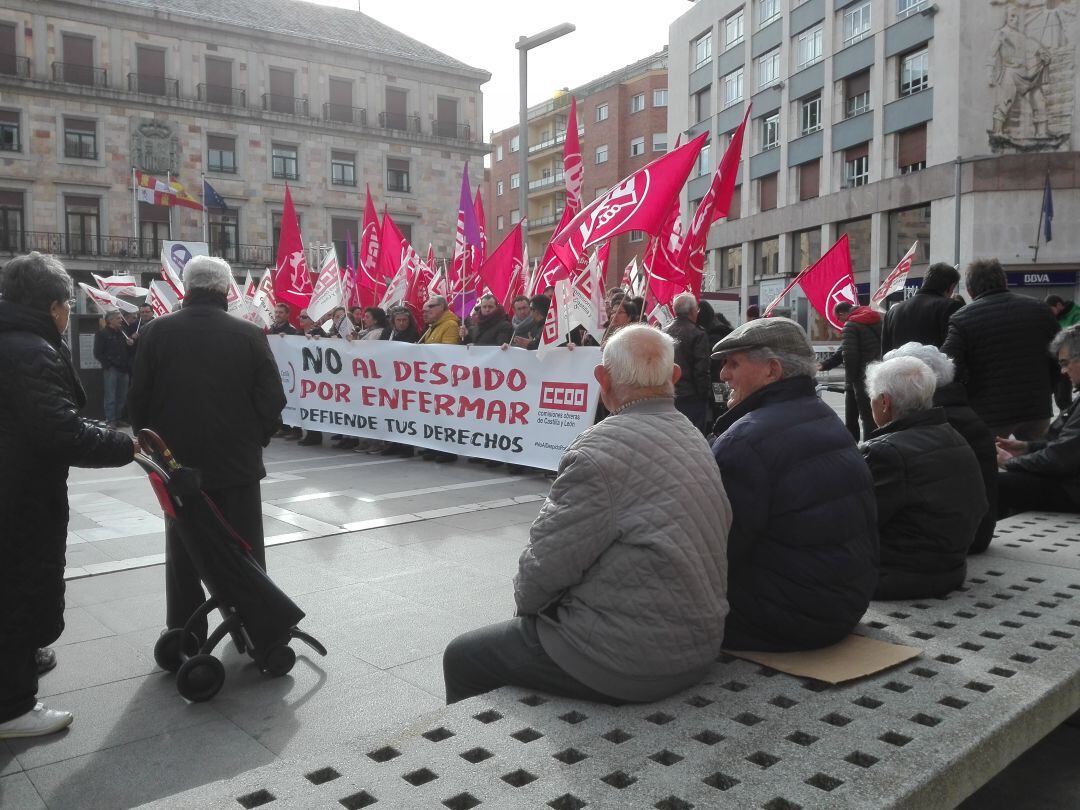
(778, 334)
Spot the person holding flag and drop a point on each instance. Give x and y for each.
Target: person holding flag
(113, 350)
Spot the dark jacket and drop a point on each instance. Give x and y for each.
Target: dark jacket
(41, 435)
(282, 329)
(410, 335)
(692, 351)
(967, 423)
(493, 330)
(999, 343)
(923, 318)
(208, 384)
(861, 344)
(802, 552)
(531, 330)
(111, 349)
(1057, 455)
(930, 499)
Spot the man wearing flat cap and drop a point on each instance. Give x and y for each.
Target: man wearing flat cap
(803, 546)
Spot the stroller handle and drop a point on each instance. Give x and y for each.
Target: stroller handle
(154, 446)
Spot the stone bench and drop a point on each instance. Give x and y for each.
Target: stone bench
(1000, 670)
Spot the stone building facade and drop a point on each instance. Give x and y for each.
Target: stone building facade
(888, 120)
(622, 125)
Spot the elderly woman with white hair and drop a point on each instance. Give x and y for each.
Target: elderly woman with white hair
(951, 396)
(930, 496)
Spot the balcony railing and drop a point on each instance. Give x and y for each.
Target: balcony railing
(289, 105)
(451, 129)
(79, 74)
(545, 222)
(12, 65)
(545, 182)
(345, 114)
(550, 142)
(153, 85)
(115, 247)
(403, 123)
(221, 94)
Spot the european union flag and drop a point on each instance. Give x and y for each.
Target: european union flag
(211, 199)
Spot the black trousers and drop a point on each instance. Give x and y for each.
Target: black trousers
(242, 507)
(18, 681)
(857, 408)
(1020, 491)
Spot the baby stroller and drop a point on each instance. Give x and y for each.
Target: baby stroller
(260, 618)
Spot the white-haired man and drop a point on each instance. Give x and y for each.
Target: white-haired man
(621, 590)
(930, 495)
(207, 383)
(694, 387)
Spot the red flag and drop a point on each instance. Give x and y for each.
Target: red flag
(394, 251)
(420, 286)
(504, 264)
(292, 281)
(367, 263)
(830, 281)
(481, 223)
(431, 257)
(573, 166)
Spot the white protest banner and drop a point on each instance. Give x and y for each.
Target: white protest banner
(161, 298)
(106, 301)
(479, 401)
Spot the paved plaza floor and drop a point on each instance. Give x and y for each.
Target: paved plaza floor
(390, 559)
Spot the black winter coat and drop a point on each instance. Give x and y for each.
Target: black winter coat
(111, 349)
(1057, 455)
(490, 332)
(861, 346)
(923, 318)
(930, 499)
(41, 435)
(802, 552)
(207, 383)
(999, 343)
(967, 423)
(692, 353)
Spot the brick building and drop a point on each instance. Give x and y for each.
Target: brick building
(622, 124)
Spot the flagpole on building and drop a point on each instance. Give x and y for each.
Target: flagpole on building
(168, 183)
(134, 208)
(205, 214)
(1042, 213)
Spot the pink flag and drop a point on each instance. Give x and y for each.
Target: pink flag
(896, 279)
(499, 271)
(828, 282)
(421, 287)
(367, 262)
(292, 280)
(395, 252)
(573, 166)
(481, 224)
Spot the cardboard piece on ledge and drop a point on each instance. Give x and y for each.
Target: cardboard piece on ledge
(854, 657)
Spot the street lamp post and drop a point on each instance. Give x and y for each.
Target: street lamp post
(524, 44)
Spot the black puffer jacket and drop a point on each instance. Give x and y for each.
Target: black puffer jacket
(861, 344)
(41, 435)
(999, 342)
(492, 330)
(923, 318)
(111, 349)
(802, 552)
(692, 350)
(930, 499)
(1057, 455)
(967, 423)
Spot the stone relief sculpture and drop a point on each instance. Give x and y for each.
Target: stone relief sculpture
(154, 147)
(1032, 70)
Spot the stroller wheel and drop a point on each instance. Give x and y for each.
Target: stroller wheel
(279, 660)
(168, 646)
(200, 678)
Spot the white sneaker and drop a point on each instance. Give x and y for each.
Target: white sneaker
(35, 723)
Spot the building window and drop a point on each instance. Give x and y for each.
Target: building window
(82, 217)
(810, 180)
(702, 50)
(515, 180)
(731, 266)
(11, 221)
(767, 257)
(768, 68)
(9, 131)
(808, 46)
(911, 150)
(515, 217)
(498, 153)
(768, 10)
(637, 103)
(905, 8)
(701, 105)
(659, 142)
(224, 231)
(500, 222)
(601, 154)
(637, 147)
(905, 227)
(342, 168)
(154, 228)
(809, 115)
(733, 29)
(733, 87)
(221, 154)
(857, 94)
(856, 23)
(704, 161)
(80, 138)
(767, 192)
(637, 236)
(857, 166)
(499, 188)
(284, 162)
(397, 175)
(659, 97)
(858, 233)
(735, 211)
(515, 144)
(770, 132)
(914, 72)
(601, 112)
(805, 249)
(343, 231)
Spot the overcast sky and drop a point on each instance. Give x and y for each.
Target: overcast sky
(482, 33)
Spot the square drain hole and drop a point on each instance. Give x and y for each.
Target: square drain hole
(518, 778)
(1042, 645)
(834, 719)
(896, 686)
(573, 718)
(384, 754)
(993, 636)
(673, 803)
(357, 800)
(783, 702)
(893, 738)
(527, 735)
(780, 804)
(489, 716)
(822, 781)
(475, 755)
(617, 736)
(922, 635)
(923, 672)
(698, 702)
(533, 700)
(463, 801)
(964, 614)
(868, 702)
(720, 781)
(660, 718)
(947, 659)
(618, 780)
(420, 777)
(708, 737)
(438, 734)
(1023, 659)
(256, 799)
(734, 686)
(1012, 625)
(1001, 672)
(322, 776)
(802, 738)
(953, 702)
(925, 719)
(570, 756)
(861, 759)
(762, 759)
(665, 757)
(568, 801)
(747, 719)
(815, 686)
(970, 646)
(978, 686)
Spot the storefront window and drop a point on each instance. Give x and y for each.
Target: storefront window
(858, 233)
(905, 227)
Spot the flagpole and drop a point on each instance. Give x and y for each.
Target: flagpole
(1042, 213)
(205, 214)
(134, 208)
(168, 182)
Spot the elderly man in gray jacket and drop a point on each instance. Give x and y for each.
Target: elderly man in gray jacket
(621, 591)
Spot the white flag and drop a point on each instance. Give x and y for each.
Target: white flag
(557, 325)
(264, 301)
(586, 306)
(120, 285)
(896, 279)
(661, 316)
(398, 287)
(161, 298)
(234, 299)
(327, 295)
(106, 301)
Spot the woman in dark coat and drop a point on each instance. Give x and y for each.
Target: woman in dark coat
(489, 327)
(402, 327)
(41, 435)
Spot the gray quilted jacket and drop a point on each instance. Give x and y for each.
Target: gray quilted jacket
(626, 565)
